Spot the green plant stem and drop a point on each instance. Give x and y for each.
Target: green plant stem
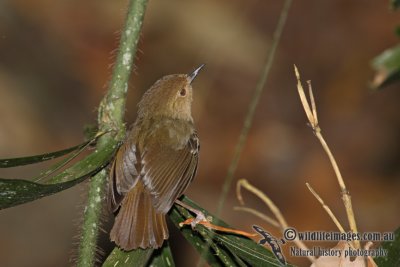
(112, 107)
(251, 111)
(252, 107)
(111, 118)
(91, 224)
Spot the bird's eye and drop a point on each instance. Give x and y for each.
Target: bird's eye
(182, 92)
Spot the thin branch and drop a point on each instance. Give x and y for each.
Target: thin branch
(253, 105)
(312, 100)
(326, 208)
(250, 112)
(111, 117)
(313, 120)
(303, 99)
(258, 214)
(271, 205)
(330, 213)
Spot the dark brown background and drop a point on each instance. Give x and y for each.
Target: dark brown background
(55, 61)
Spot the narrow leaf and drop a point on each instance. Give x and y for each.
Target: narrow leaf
(119, 258)
(393, 252)
(387, 67)
(224, 255)
(61, 164)
(96, 160)
(178, 215)
(14, 162)
(395, 4)
(240, 247)
(14, 192)
(162, 257)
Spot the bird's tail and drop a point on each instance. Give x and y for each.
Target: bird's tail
(137, 224)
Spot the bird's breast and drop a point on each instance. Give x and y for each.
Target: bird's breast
(169, 132)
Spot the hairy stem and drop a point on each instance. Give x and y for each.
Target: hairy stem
(112, 107)
(111, 119)
(91, 224)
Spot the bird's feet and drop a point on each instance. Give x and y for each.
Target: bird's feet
(200, 217)
(206, 222)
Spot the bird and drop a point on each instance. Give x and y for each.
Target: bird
(155, 164)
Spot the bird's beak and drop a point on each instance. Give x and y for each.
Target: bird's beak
(195, 72)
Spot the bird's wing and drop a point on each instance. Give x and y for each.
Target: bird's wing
(167, 172)
(124, 174)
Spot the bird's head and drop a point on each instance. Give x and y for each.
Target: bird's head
(171, 96)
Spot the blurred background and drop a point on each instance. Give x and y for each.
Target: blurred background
(56, 59)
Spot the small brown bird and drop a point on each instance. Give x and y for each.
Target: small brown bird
(155, 164)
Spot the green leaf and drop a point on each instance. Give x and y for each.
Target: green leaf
(395, 4)
(162, 257)
(90, 164)
(194, 238)
(119, 258)
(224, 249)
(90, 131)
(14, 162)
(59, 165)
(141, 257)
(387, 67)
(226, 256)
(393, 249)
(397, 31)
(14, 192)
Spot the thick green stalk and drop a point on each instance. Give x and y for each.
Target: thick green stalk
(91, 224)
(111, 119)
(112, 107)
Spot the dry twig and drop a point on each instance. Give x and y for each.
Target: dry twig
(326, 208)
(260, 215)
(275, 210)
(311, 113)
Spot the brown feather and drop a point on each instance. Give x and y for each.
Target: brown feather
(155, 164)
(137, 224)
(168, 172)
(141, 219)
